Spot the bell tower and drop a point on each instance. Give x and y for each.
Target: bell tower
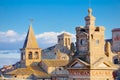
(90, 39)
(65, 40)
(30, 53)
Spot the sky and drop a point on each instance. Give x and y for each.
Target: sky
(51, 18)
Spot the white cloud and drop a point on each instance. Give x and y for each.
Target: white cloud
(11, 36)
(51, 37)
(11, 33)
(45, 39)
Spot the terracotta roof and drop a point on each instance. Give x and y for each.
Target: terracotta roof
(33, 70)
(30, 41)
(55, 63)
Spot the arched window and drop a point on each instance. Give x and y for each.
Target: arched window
(69, 41)
(97, 42)
(22, 56)
(36, 55)
(30, 55)
(66, 41)
(115, 61)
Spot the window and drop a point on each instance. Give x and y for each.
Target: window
(115, 61)
(66, 41)
(58, 40)
(69, 41)
(21, 56)
(83, 42)
(97, 41)
(30, 55)
(60, 69)
(36, 55)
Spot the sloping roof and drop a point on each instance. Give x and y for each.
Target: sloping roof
(30, 41)
(33, 70)
(64, 34)
(108, 63)
(55, 63)
(78, 60)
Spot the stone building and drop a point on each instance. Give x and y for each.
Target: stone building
(32, 66)
(63, 45)
(116, 45)
(116, 40)
(64, 40)
(93, 59)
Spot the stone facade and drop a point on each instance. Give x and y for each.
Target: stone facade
(116, 40)
(62, 47)
(93, 59)
(64, 40)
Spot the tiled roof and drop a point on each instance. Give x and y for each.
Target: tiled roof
(55, 63)
(33, 70)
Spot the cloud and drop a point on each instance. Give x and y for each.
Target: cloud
(50, 38)
(11, 39)
(11, 36)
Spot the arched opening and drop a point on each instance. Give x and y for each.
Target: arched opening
(36, 55)
(69, 41)
(65, 41)
(30, 55)
(116, 61)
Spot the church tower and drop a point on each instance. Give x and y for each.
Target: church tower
(90, 39)
(93, 59)
(65, 40)
(30, 53)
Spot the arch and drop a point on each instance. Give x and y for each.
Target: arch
(30, 55)
(116, 61)
(36, 55)
(69, 41)
(65, 41)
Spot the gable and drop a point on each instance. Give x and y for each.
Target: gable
(77, 65)
(103, 65)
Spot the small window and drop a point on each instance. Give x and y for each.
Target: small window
(83, 42)
(97, 41)
(36, 55)
(58, 39)
(30, 55)
(115, 61)
(66, 41)
(69, 41)
(60, 69)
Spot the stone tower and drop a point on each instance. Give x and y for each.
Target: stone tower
(93, 59)
(30, 53)
(64, 40)
(90, 39)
